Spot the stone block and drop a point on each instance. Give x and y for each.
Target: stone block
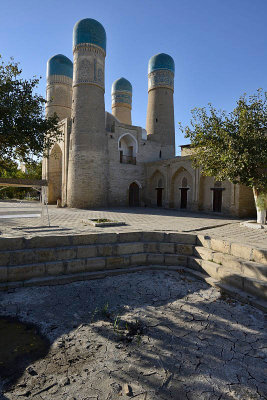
(24, 272)
(106, 250)
(74, 266)
(117, 262)
(11, 243)
(129, 248)
(220, 245)
(166, 248)
(194, 263)
(138, 259)
(47, 241)
(155, 259)
(254, 270)
(45, 254)
(3, 274)
(129, 236)
(86, 251)
(240, 250)
(186, 249)
(203, 240)
(210, 268)
(230, 262)
(87, 239)
(95, 264)
(153, 236)
(106, 238)
(230, 278)
(204, 253)
(22, 257)
(54, 268)
(5, 257)
(151, 247)
(63, 253)
(255, 287)
(174, 259)
(259, 255)
(181, 238)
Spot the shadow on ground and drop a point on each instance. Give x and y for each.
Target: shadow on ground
(167, 335)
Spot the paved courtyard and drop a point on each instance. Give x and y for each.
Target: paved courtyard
(147, 336)
(68, 221)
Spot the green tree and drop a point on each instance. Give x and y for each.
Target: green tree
(233, 145)
(24, 130)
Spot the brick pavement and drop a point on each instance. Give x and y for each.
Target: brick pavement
(71, 221)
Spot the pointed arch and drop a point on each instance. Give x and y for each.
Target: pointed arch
(181, 188)
(157, 185)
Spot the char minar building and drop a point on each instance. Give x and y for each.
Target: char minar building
(103, 160)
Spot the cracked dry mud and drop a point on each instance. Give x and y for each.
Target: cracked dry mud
(191, 343)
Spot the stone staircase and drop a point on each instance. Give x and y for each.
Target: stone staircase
(62, 259)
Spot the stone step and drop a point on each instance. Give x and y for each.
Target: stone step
(42, 255)
(247, 268)
(239, 250)
(14, 273)
(230, 277)
(20, 243)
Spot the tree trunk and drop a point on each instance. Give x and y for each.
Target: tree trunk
(260, 202)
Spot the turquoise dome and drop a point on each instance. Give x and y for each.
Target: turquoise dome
(121, 84)
(59, 65)
(89, 30)
(161, 61)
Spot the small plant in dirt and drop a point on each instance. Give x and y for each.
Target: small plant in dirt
(105, 312)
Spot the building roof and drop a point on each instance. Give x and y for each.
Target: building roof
(161, 61)
(89, 30)
(121, 84)
(59, 65)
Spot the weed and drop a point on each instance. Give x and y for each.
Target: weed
(94, 314)
(105, 311)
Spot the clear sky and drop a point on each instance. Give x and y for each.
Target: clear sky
(219, 46)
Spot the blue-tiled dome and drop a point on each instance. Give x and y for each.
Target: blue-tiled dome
(89, 30)
(121, 84)
(161, 61)
(59, 65)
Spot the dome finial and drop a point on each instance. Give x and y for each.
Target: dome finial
(89, 30)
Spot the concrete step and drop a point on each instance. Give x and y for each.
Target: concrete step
(247, 268)
(230, 277)
(235, 249)
(42, 255)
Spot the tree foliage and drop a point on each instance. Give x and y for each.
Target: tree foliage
(232, 145)
(33, 171)
(24, 130)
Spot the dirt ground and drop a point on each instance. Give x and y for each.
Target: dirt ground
(148, 336)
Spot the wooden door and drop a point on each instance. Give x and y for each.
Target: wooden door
(217, 200)
(183, 197)
(134, 200)
(159, 197)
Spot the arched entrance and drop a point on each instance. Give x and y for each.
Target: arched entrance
(156, 189)
(134, 195)
(181, 189)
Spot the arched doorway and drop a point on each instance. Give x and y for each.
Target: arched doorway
(181, 189)
(184, 190)
(134, 195)
(156, 189)
(159, 190)
(55, 175)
